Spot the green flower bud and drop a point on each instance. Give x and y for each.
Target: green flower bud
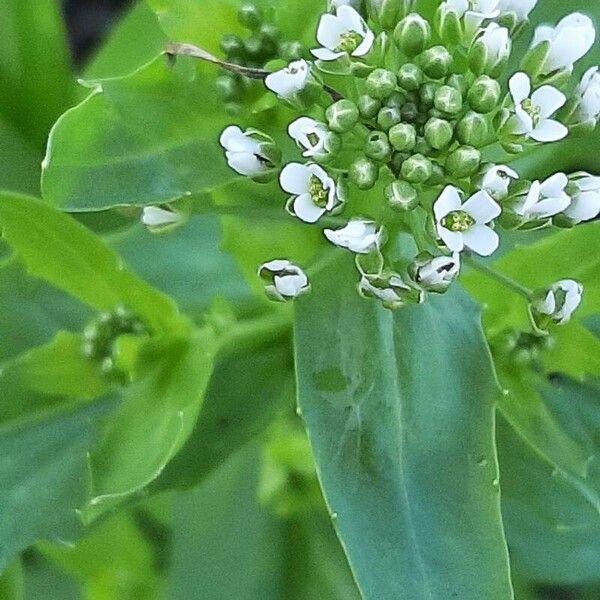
(403, 137)
(385, 12)
(291, 51)
(397, 159)
(410, 77)
(473, 130)
(342, 116)
(463, 162)
(438, 175)
(448, 100)
(490, 50)
(368, 107)
(412, 34)
(378, 146)
(436, 62)
(416, 169)
(381, 83)
(229, 87)
(363, 173)
(250, 16)
(254, 47)
(388, 117)
(438, 133)
(484, 94)
(422, 146)
(270, 31)
(232, 46)
(458, 82)
(427, 93)
(448, 24)
(396, 100)
(402, 196)
(409, 112)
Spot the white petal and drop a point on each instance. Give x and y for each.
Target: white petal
(453, 239)
(306, 210)
(245, 163)
(481, 239)
(351, 19)
(548, 207)
(549, 131)
(153, 216)
(584, 206)
(448, 201)
(554, 186)
(365, 46)
(521, 123)
(229, 133)
(290, 285)
(326, 54)
(520, 87)
(549, 100)
(482, 207)
(543, 33)
(330, 31)
(295, 178)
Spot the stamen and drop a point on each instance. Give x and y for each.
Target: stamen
(532, 110)
(349, 42)
(317, 192)
(458, 221)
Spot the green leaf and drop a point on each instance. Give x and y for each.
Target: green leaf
(399, 409)
(20, 171)
(34, 66)
(155, 418)
(12, 586)
(43, 466)
(56, 248)
(146, 138)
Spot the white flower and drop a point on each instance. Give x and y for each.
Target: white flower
(496, 180)
(521, 8)
(290, 81)
(461, 225)
(495, 45)
(570, 40)
(585, 202)
(359, 236)
(343, 33)
(483, 9)
(159, 219)
(436, 274)
(249, 153)
(283, 280)
(532, 114)
(390, 289)
(313, 137)
(588, 92)
(560, 301)
(544, 200)
(313, 192)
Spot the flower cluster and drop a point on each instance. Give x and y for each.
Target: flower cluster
(395, 154)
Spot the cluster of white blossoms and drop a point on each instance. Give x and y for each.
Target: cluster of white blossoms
(395, 130)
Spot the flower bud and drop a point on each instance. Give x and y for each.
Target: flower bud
(490, 50)
(388, 117)
(342, 116)
(292, 51)
(160, 220)
(292, 81)
(396, 100)
(484, 95)
(403, 137)
(436, 62)
(228, 87)
(316, 141)
(283, 280)
(584, 190)
(412, 34)
(435, 274)
(385, 12)
(233, 47)
(409, 112)
(363, 173)
(438, 133)
(402, 196)
(250, 16)
(496, 180)
(427, 93)
(458, 82)
(587, 106)
(410, 77)
(448, 24)
(381, 83)
(448, 100)
(416, 169)
(390, 289)
(463, 162)
(368, 107)
(473, 130)
(556, 304)
(377, 146)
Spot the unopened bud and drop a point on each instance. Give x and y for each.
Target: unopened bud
(233, 47)
(490, 50)
(342, 116)
(402, 196)
(381, 83)
(463, 162)
(427, 93)
(403, 137)
(473, 130)
(409, 112)
(438, 133)
(412, 34)
(292, 51)
(448, 24)
(390, 289)
(388, 117)
(363, 173)
(385, 12)
(283, 280)
(416, 169)
(556, 304)
(250, 16)
(435, 274)
(484, 95)
(377, 146)
(458, 82)
(436, 62)
(410, 77)
(448, 100)
(368, 107)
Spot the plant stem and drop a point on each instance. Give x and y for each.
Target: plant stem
(500, 278)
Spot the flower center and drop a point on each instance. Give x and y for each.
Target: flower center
(349, 42)
(317, 192)
(313, 139)
(458, 221)
(532, 110)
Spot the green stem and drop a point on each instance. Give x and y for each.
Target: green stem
(500, 278)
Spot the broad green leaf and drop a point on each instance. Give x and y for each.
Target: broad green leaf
(553, 532)
(44, 580)
(43, 473)
(19, 162)
(35, 76)
(146, 138)
(400, 414)
(56, 248)
(12, 586)
(155, 418)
